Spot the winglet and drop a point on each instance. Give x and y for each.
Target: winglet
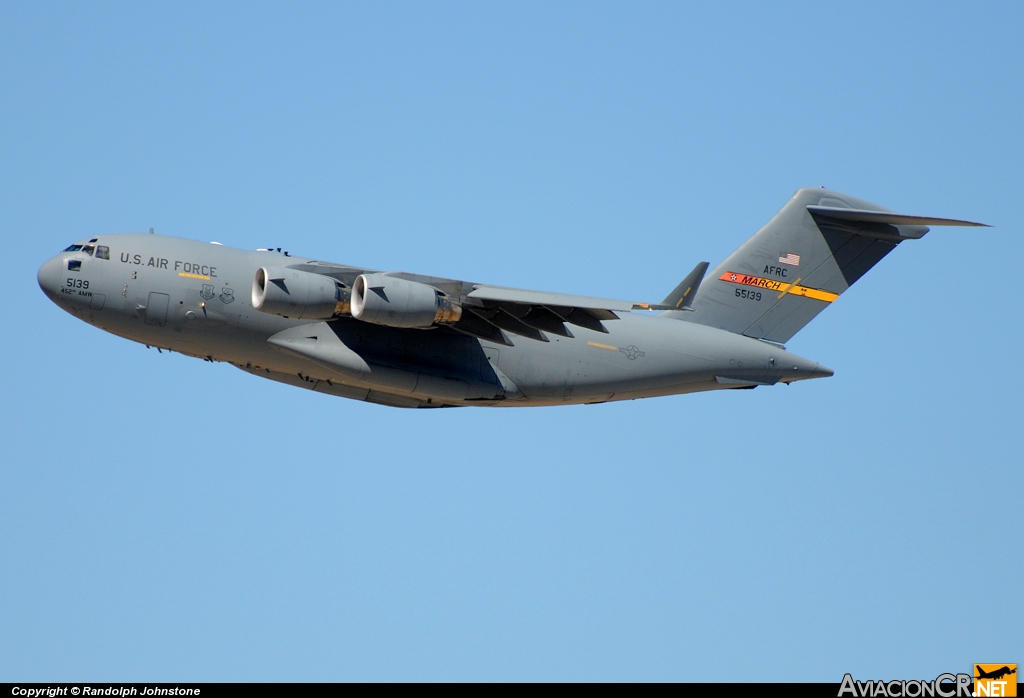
(682, 296)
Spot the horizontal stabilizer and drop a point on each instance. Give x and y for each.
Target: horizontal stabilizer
(854, 214)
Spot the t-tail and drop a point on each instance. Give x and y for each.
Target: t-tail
(794, 267)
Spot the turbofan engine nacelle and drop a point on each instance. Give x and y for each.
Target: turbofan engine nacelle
(395, 302)
(298, 294)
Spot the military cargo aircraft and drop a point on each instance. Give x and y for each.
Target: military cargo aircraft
(409, 340)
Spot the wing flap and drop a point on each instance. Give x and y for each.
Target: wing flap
(504, 320)
(476, 326)
(532, 313)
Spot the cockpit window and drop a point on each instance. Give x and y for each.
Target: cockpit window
(73, 248)
(88, 249)
(102, 252)
(74, 264)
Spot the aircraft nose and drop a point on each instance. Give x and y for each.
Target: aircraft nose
(49, 277)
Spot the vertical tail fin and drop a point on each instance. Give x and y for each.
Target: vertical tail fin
(806, 256)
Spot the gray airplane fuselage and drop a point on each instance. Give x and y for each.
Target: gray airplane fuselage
(196, 298)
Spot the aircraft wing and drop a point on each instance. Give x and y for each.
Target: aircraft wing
(517, 295)
(487, 310)
(491, 311)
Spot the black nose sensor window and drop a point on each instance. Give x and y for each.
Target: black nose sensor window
(74, 265)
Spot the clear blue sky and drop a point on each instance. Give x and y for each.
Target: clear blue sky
(162, 518)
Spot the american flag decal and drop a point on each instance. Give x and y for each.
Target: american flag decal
(790, 258)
